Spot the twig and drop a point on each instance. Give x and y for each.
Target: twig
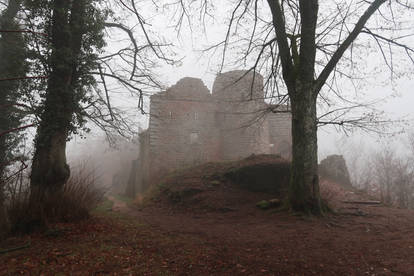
(8, 250)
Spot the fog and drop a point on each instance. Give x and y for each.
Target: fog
(178, 137)
(104, 160)
(393, 99)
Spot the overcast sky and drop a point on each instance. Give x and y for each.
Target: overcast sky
(397, 103)
(398, 98)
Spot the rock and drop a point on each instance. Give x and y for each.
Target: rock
(334, 167)
(182, 195)
(275, 202)
(272, 178)
(267, 204)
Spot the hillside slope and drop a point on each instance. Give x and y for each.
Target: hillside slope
(224, 186)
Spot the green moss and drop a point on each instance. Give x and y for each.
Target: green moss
(263, 204)
(271, 203)
(215, 183)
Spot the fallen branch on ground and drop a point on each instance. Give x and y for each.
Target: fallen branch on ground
(363, 202)
(8, 250)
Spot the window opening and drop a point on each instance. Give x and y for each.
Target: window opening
(193, 138)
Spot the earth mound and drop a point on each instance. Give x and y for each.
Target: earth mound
(225, 186)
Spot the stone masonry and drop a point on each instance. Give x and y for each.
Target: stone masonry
(188, 125)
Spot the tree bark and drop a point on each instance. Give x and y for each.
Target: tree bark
(49, 169)
(304, 184)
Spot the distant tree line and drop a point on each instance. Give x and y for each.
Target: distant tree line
(386, 172)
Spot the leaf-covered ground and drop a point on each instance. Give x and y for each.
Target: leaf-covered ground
(373, 241)
(197, 225)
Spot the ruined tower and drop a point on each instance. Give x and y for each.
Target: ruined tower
(181, 127)
(240, 114)
(189, 125)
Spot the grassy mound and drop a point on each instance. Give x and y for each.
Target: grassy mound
(225, 186)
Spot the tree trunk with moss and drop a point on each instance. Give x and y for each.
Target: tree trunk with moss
(50, 170)
(304, 185)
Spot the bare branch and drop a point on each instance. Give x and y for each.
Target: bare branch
(16, 129)
(285, 56)
(373, 7)
(24, 78)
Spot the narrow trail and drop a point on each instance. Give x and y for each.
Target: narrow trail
(119, 206)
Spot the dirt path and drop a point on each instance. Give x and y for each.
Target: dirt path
(118, 206)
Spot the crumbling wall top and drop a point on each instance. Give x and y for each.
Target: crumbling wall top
(237, 85)
(187, 87)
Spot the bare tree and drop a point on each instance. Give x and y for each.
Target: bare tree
(81, 73)
(384, 168)
(305, 50)
(404, 184)
(394, 177)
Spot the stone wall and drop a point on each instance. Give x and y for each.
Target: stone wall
(182, 126)
(189, 125)
(334, 167)
(280, 131)
(240, 101)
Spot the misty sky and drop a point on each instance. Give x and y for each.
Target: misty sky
(395, 99)
(397, 103)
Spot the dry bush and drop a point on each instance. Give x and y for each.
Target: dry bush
(79, 196)
(331, 192)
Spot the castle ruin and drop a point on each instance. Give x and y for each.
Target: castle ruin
(188, 125)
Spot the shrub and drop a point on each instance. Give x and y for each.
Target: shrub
(79, 196)
(331, 192)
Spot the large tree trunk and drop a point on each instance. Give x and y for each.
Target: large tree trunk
(49, 169)
(304, 185)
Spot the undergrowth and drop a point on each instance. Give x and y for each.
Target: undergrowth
(79, 196)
